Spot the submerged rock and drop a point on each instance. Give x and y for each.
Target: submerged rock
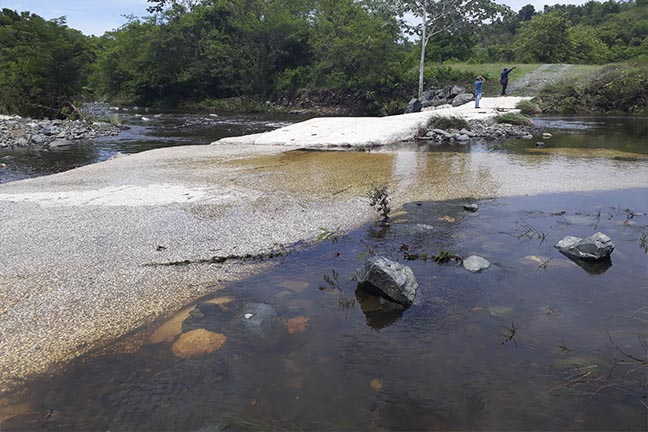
(471, 207)
(258, 318)
(596, 247)
(396, 281)
(197, 343)
(476, 263)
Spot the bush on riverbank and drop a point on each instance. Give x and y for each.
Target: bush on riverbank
(615, 88)
(514, 119)
(528, 107)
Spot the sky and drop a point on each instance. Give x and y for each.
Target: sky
(98, 16)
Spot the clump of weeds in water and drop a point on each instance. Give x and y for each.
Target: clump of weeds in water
(331, 281)
(379, 199)
(442, 257)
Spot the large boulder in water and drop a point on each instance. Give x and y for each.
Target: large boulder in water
(413, 106)
(462, 99)
(395, 281)
(593, 248)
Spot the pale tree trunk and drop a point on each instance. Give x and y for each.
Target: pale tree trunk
(422, 63)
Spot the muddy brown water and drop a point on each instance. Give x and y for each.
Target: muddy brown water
(536, 342)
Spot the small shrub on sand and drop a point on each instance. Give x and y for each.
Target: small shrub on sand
(446, 123)
(528, 107)
(514, 119)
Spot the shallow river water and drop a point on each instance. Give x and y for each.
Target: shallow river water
(536, 342)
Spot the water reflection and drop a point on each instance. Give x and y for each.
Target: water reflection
(592, 267)
(379, 311)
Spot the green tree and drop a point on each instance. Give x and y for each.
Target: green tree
(446, 17)
(586, 47)
(43, 64)
(544, 39)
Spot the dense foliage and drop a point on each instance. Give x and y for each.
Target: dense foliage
(241, 52)
(594, 32)
(43, 64)
(231, 48)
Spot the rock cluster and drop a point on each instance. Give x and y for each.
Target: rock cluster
(479, 130)
(434, 97)
(17, 132)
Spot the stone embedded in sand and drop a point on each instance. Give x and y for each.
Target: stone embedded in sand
(171, 328)
(376, 384)
(197, 343)
(297, 324)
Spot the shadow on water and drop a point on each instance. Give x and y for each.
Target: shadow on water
(534, 342)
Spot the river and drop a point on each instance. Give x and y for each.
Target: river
(535, 342)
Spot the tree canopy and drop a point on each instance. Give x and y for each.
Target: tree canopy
(43, 64)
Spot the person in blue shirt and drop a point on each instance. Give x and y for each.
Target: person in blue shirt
(479, 82)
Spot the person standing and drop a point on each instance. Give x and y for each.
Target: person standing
(479, 83)
(504, 76)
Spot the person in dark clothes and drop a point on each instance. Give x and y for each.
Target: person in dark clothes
(479, 82)
(504, 78)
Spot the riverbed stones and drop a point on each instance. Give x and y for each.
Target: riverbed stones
(396, 281)
(197, 343)
(17, 132)
(593, 248)
(476, 263)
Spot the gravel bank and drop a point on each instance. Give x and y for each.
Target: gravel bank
(18, 132)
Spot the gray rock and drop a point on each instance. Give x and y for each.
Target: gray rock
(259, 319)
(471, 207)
(593, 248)
(456, 91)
(462, 137)
(547, 135)
(476, 263)
(396, 281)
(462, 99)
(413, 106)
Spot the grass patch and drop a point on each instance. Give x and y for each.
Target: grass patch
(514, 119)
(446, 123)
(528, 107)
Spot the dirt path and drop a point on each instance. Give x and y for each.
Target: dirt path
(531, 83)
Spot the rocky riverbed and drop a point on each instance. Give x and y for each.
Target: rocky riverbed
(481, 131)
(17, 132)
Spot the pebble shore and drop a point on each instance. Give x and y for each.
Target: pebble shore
(17, 132)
